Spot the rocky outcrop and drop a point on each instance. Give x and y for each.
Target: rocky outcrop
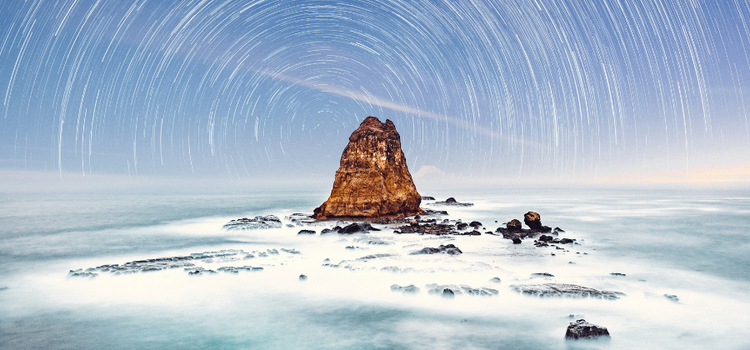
(186, 262)
(258, 222)
(373, 180)
(452, 290)
(581, 330)
(449, 249)
(564, 290)
(452, 201)
(534, 222)
(410, 289)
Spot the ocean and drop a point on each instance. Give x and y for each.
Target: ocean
(676, 256)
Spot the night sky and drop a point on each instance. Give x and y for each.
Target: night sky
(504, 89)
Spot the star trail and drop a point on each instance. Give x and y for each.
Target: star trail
(503, 89)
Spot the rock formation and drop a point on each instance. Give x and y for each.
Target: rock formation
(581, 329)
(564, 290)
(373, 180)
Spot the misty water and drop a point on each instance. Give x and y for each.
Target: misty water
(683, 242)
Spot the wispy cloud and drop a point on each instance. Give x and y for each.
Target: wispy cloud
(395, 106)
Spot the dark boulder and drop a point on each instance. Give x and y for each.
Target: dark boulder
(516, 240)
(513, 226)
(532, 220)
(357, 227)
(475, 224)
(428, 198)
(303, 277)
(545, 238)
(582, 330)
(462, 226)
(306, 232)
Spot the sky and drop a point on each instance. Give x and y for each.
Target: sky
(610, 90)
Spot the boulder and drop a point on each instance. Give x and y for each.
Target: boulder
(513, 226)
(532, 220)
(306, 232)
(357, 227)
(373, 179)
(581, 330)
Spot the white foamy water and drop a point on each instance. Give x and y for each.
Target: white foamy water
(690, 244)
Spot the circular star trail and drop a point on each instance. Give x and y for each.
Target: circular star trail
(499, 89)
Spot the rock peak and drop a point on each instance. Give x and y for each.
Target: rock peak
(373, 180)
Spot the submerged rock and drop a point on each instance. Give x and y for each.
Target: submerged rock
(672, 297)
(459, 290)
(452, 201)
(542, 274)
(306, 232)
(430, 212)
(258, 222)
(581, 330)
(373, 179)
(303, 277)
(357, 227)
(564, 290)
(410, 289)
(431, 229)
(428, 198)
(237, 269)
(300, 219)
(449, 249)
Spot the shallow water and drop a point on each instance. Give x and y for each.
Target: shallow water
(688, 243)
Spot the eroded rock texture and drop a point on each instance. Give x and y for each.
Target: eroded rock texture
(373, 180)
(581, 330)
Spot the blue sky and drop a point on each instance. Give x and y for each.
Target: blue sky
(548, 90)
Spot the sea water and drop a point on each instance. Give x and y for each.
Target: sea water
(686, 243)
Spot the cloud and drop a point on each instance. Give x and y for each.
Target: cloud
(395, 106)
(427, 170)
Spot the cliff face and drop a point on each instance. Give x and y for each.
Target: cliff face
(373, 179)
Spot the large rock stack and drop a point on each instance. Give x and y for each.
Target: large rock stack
(373, 180)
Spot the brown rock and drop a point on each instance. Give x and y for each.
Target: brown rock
(373, 180)
(532, 220)
(513, 225)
